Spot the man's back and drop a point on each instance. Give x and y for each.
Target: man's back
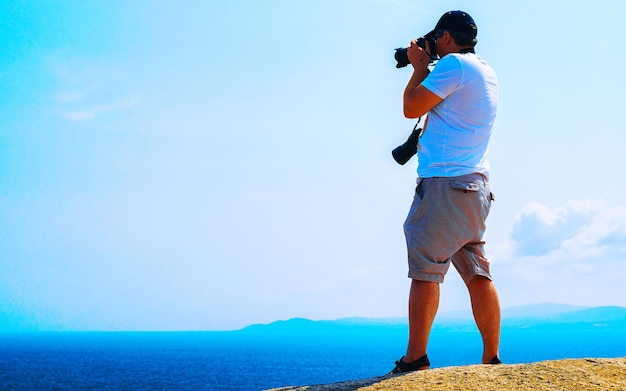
(456, 139)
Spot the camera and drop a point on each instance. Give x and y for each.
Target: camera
(402, 56)
(405, 152)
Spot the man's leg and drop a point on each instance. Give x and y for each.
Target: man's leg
(486, 309)
(423, 304)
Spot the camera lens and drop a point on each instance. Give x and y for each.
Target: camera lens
(405, 152)
(402, 57)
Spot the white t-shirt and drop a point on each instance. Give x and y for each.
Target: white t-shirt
(456, 139)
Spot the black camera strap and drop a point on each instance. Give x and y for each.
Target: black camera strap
(467, 50)
(416, 125)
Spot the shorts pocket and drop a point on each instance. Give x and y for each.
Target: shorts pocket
(465, 186)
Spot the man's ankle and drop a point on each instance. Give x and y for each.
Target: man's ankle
(412, 357)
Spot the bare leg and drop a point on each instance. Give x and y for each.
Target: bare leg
(423, 304)
(486, 308)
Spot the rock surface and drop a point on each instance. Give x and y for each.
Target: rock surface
(569, 374)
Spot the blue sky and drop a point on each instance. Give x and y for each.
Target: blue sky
(205, 165)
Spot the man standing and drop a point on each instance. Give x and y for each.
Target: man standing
(446, 221)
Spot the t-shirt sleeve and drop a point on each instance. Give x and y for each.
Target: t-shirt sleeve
(445, 77)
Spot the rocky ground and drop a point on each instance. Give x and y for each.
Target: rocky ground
(571, 374)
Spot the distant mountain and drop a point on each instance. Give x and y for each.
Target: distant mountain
(595, 314)
(559, 313)
(372, 321)
(352, 326)
(543, 310)
(536, 314)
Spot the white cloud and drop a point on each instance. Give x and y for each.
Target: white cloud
(538, 230)
(571, 254)
(92, 112)
(87, 88)
(604, 235)
(577, 230)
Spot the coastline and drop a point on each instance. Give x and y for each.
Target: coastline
(565, 374)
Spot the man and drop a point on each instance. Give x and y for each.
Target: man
(446, 221)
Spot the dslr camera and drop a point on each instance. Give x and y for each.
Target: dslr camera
(402, 56)
(405, 152)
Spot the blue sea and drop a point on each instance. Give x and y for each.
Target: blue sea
(257, 359)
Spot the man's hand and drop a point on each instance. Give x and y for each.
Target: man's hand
(418, 100)
(419, 57)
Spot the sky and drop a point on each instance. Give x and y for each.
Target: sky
(206, 165)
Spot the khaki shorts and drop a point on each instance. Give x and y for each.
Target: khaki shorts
(446, 224)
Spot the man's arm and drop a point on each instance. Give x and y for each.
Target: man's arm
(418, 100)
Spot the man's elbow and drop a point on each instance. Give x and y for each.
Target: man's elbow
(410, 112)
(419, 102)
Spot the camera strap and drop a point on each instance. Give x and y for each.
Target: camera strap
(417, 124)
(418, 131)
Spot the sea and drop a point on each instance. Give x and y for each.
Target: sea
(263, 358)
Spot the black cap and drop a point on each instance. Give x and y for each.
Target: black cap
(457, 21)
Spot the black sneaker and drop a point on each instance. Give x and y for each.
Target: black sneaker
(402, 367)
(495, 361)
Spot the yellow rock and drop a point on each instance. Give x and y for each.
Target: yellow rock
(570, 374)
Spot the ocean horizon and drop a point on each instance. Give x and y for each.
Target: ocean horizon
(288, 353)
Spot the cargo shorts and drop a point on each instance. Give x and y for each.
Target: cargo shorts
(446, 224)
